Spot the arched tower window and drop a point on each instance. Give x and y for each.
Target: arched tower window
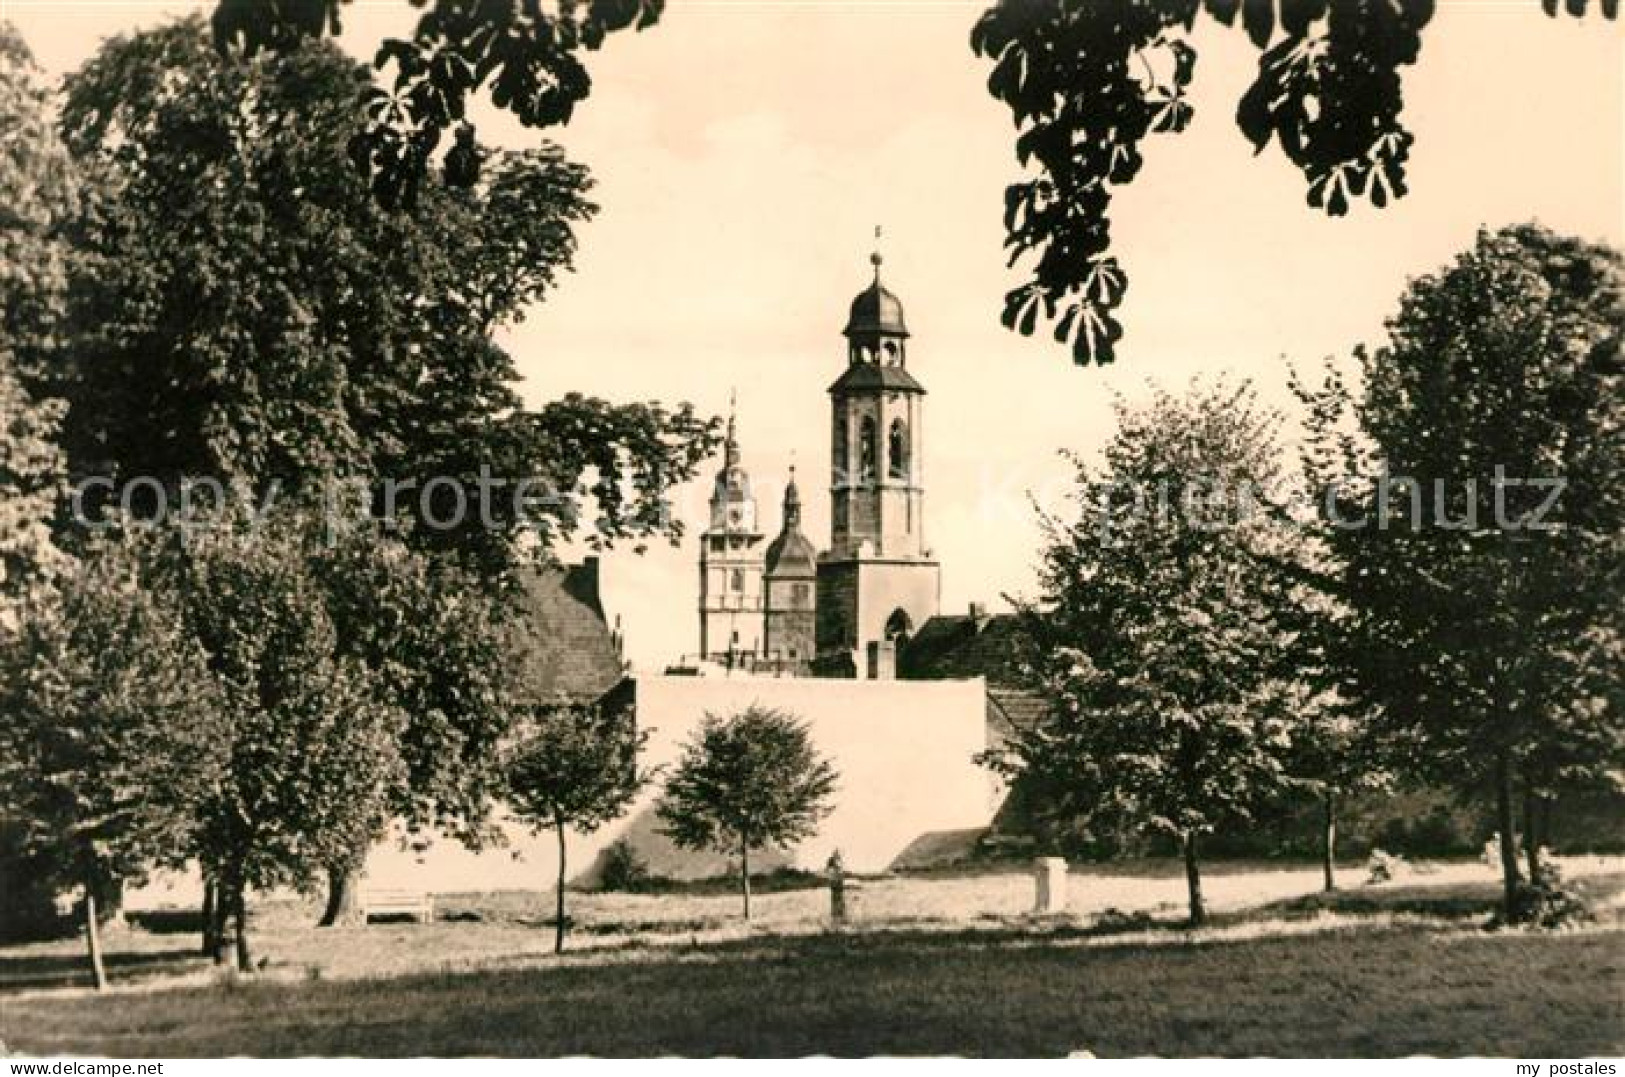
(899, 627)
(866, 448)
(842, 463)
(897, 450)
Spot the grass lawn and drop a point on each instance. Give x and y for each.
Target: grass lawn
(1378, 971)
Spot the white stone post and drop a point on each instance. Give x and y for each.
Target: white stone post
(1049, 885)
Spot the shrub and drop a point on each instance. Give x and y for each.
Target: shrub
(1545, 902)
(623, 870)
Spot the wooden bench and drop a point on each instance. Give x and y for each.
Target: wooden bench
(417, 904)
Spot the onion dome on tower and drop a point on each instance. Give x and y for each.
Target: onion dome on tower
(877, 340)
(875, 310)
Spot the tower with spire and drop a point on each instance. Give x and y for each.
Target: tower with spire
(877, 582)
(731, 562)
(845, 612)
(790, 631)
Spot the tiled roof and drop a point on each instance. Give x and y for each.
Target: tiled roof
(939, 848)
(876, 376)
(876, 310)
(958, 647)
(792, 555)
(563, 647)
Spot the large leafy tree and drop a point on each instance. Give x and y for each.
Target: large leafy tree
(253, 315)
(576, 768)
(311, 754)
(1164, 633)
(525, 56)
(746, 781)
(1470, 485)
(41, 193)
(110, 733)
(1087, 81)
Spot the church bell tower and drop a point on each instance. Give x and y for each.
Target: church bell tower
(731, 563)
(877, 582)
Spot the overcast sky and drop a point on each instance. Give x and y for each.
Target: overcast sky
(744, 152)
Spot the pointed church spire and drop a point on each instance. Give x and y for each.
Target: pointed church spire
(792, 502)
(791, 555)
(733, 506)
(730, 447)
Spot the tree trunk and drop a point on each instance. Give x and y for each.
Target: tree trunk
(1531, 834)
(341, 896)
(1509, 840)
(222, 918)
(1193, 880)
(93, 938)
(1328, 846)
(210, 923)
(245, 961)
(744, 873)
(558, 932)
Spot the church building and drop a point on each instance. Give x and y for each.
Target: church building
(845, 612)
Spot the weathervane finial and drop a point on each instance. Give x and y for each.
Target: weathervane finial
(875, 259)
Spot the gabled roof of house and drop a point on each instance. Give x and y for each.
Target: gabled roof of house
(954, 647)
(564, 648)
(1010, 709)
